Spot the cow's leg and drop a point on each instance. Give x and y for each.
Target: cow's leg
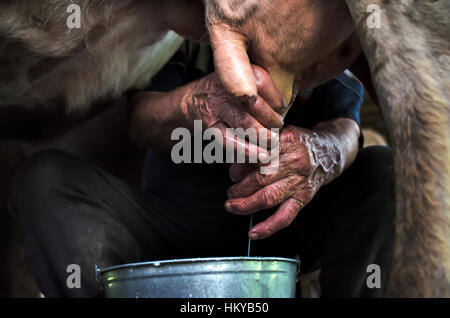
(408, 57)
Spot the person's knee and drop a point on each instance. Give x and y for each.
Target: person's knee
(37, 178)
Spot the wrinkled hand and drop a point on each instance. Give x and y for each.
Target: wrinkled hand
(206, 100)
(307, 160)
(210, 102)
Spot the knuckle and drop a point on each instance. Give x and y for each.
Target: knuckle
(260, 179)
(291, 215)
(245, 206)
(234, 191)
(293, 184)
(269, 197)
(308, 191)
(289, 136)
(297, 156)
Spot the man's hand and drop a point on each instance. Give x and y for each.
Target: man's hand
(210, 102)
(307, 160)
(155, 115)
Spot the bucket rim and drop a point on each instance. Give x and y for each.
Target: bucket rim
(102, 271)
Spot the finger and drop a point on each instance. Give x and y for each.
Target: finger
(236, 117)
(232, 63)
(238, 172)
(238, 150)
(265, 114)
(265, 198)
(284, 217)
(251, 183)
(267, 90)
(247, 127)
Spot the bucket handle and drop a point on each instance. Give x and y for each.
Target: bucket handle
(97, 273)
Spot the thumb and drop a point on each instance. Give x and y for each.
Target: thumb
(232, 63)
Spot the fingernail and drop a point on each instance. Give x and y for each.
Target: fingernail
(282, 119)
(228, 207)
(254, 235)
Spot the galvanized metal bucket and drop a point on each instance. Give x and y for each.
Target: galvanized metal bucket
(229, 277)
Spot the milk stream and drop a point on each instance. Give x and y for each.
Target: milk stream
(249, 239)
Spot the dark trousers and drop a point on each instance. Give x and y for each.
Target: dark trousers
(72, 212)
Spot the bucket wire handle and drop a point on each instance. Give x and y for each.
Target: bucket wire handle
(97, 273)
(249, 239)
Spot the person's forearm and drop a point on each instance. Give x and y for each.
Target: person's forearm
(337, 145)
(154, 116)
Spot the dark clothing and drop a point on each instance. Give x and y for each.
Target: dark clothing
(72, 212)
(338, 98)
